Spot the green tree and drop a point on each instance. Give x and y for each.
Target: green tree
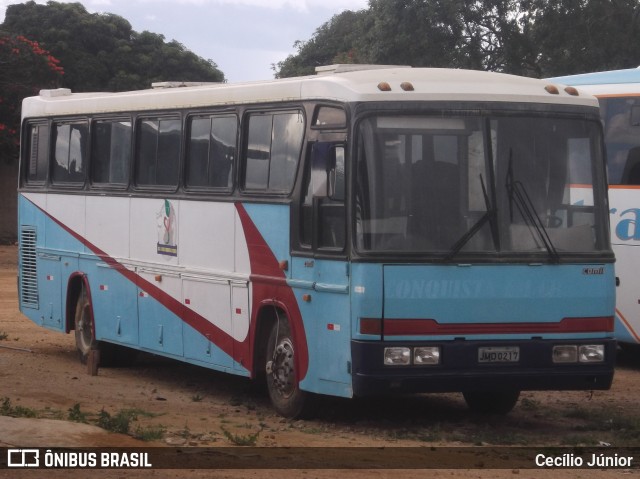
(422, 33)
(536, 38)
(417, 33)
(102, 51)
(336, 41)
(25, 68)
(577, 36)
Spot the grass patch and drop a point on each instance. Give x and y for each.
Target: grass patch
(122, 423)
(150, 433)
(3, 336)
(240, 439)
(119, 423)
(7, 409)
(76, 415)
(185, 432)
(626, 427)
(579, 413)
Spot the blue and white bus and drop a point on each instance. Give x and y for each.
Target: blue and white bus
(618, 92)
(362, 231)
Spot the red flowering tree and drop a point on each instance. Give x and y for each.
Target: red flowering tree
(25, 68)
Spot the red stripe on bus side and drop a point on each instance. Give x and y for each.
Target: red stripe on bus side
(270, 288)
(193, 319)
(261, 258)
(628, 325)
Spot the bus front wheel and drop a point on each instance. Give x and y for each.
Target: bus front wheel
(287, 398)
(491, 402)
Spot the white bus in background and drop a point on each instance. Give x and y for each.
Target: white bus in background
(618, 92)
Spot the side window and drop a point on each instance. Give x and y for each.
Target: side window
(272, 151)
(38, 151)
(621, 117)
(69, 152)
(323, 212)
(329, 117)
(258, 152)
(158, 152)
(211, 152)
(111, 152)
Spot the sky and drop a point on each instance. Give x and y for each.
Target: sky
(243, 37)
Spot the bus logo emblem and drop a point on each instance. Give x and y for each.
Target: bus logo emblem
(592, 271)
(166, 222)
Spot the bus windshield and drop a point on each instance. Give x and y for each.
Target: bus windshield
(451, 185)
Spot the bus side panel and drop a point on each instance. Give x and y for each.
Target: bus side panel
(56, 256)
(627, 325)
(321, 321)
(625, 237)
(160, 329)
(184, 276)
(108, 224)
(114, 303)
(113, 297)
(33, 300)
(139, 305)
(367, 293)
(62, 247)
(214, 298)
(327, 313)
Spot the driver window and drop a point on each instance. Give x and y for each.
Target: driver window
(323, 213)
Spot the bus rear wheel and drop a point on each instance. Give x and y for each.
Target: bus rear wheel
(287, 398)
(84, 327)
(110, 354)
(491, 402)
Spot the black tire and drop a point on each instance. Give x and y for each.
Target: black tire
(111, 355)
(84, 327)
(287, 398)
(491, 402)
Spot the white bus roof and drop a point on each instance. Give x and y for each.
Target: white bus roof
(614, 82)
(338, 83)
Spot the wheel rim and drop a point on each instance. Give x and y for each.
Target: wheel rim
(282, 368)
(84, 328)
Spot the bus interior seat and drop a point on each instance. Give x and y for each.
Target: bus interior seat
(436, 203)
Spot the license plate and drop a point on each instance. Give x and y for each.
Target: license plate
(505, 354)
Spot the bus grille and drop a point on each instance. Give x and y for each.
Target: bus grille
(29, 271)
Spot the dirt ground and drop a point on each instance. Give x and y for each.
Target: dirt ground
(191, 406)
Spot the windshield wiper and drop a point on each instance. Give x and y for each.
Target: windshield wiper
(517, 192)
(488, 216)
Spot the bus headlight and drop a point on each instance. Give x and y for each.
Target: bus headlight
(585, 353)
(426, 355)
(397, 356)
(591, 353)
(565, 354)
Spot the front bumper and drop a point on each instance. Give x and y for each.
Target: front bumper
(459, 369)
